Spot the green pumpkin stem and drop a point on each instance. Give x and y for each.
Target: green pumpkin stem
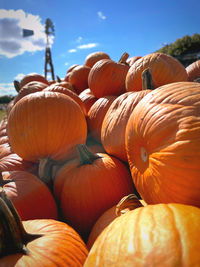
(45, 171)
(16, 85)
(124, 58)
(85, 155)
(13, 235)
(147, 80)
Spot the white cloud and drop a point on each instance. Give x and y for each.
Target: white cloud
(7, 89)
(12, 42)
(79, 39)
(87, 46)
(72, 50)
(100, 15)
(66, 63)
(19, 76)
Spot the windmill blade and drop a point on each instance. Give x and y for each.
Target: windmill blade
(27, 32)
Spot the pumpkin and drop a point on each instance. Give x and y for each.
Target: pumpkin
(88, 98)
(113, 127)
(39, 242)
(72, 67)
(5, 150)
(96, 116)
(78, 77)
(162, 141)
(193, 71)
(92, 58)
(30, 196)
(132, 60)
(32, 77)
(165, 69)
(154, 235)
(29, 88)
(127, 203)
(89, 185)
(49, 124)
(107, 77)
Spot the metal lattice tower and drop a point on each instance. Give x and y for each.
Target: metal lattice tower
(48, 67)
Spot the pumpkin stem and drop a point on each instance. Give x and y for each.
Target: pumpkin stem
(3, 182)
(58, 79)
(147, 81)
(86, 156)
(16, 85)
(127, 203)
(13, 235)
(45, 171)
(123, 58)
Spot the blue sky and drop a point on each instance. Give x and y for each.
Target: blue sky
(137, 27)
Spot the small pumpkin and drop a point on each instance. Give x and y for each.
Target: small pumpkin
(88, 98)
(107, 77)
(154, 235)
(92, 58)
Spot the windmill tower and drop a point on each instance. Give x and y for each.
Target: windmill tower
(48, 67)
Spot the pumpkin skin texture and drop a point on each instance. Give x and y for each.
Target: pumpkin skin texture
(92, 58)
(88, 99)
(33, 77)
(30, 196)
(115, 120)
(61, 89)
(96, 116)
(193, 71)
(165, 69)
(78, 77)
(85, 190)
(155, 235)
(107, 77)
(59, 245)
(162, 144)
(49, 124)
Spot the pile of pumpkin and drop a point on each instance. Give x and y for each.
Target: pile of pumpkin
(102, 167)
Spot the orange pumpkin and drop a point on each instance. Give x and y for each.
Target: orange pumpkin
(165, 69)
(88, 98)
(96, 116)
(32, 77)
(155, 235)
(78, 77)
(115, 120)
(107, 77)
(49, 125)
(39, 242)
(127, 203)
(89, 185)
(132, 60)
(162, 143)
(193, 71)
(30, 196)
(92, 58)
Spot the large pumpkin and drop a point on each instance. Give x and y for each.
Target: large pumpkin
(46, 124)
(165, 69)
(162, 143)
(92, 58)
(156, 235)
(88, 185)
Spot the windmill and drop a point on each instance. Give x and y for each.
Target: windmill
(48, 67)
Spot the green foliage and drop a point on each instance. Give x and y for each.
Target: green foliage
(184, 45)
(6, 99)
